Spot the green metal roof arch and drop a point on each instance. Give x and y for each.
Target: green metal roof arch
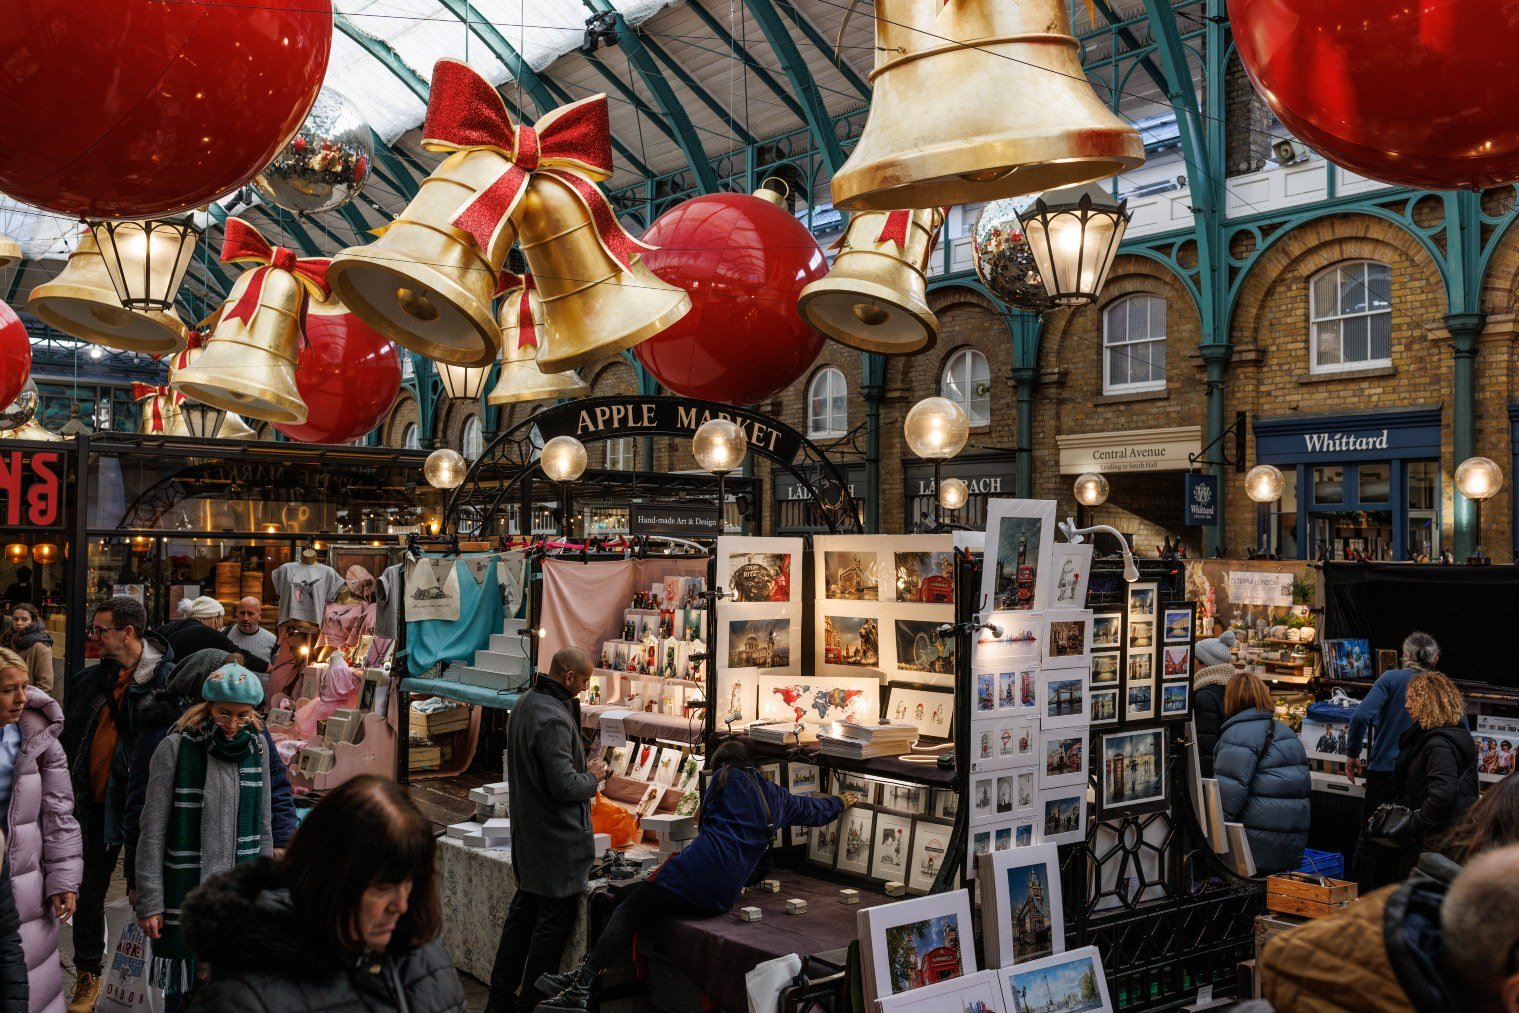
(815, 110)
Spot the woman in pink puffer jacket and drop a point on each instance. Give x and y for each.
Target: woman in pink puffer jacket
(43, 844)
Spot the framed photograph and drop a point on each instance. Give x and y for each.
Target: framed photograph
(856, 832)
(861, 785)
(1001, 742)
(1022, 918)
(1064, 763)
(1017, 639)
(891, 849)
(1063, 698)
(852, 640)
(1141, 633)
(1348, 659)
(1140, 667)
(1024, 831)
(1103, 704)
(920, 648)
(1025, 790)
(823, 845)
(759, 643)
(931, 708)
(1132, 778)
(1071, 982)
(1178, 624)
(1139, 701)
(1104, 669)
(757, 572)
(925, 578)
(1069, 640)
(819, 701)
(1175, 701)
(802, 778)
(973, 993)
(1072, 566)
(985, 701)
(1020, 541)
(930, 843)
(1497, 741)
(1142, 597)
(907, 798)
(1063, 815)
(946, 803)
(1325, 740)
(1176, 662)
(1107, 630)
(983, 797)
(851, 576)
(913, 943)
(770, 772)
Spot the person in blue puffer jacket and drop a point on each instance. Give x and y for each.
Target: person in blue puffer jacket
(739, 814)
(1263, 778)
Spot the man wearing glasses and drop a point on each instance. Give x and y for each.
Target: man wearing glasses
(99, 732)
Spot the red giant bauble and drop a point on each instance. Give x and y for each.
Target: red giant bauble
(348, 374)
(140, 108)
(744, 260)
(1421, 94)
(15, 355)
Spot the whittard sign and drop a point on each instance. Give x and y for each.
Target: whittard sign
(1410, 434)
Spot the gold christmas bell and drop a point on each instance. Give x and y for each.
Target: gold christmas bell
(248, 366)
(10, 251)
(974, 100)
(169, 419)
(521, 379)
(83, 303)
(875, 296)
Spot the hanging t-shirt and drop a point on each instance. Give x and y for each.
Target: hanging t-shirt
(305, 589)
(430, 641)
(344, 625)
(432, 589)
(388, 592)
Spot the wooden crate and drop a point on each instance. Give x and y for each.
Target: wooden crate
(1307, 896)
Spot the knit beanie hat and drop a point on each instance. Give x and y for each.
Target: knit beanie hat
(206, 608)
(1215, 650)
(233, 684)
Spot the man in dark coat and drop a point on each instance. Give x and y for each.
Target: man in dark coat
(201, 630)
(99, 733)
(551, 786)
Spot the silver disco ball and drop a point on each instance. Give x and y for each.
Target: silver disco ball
(22, 410)
(326, 163)
(1004, 262)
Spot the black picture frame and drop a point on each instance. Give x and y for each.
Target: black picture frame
(1153, 801)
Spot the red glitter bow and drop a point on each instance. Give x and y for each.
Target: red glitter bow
(571, 143)
(142, 390)
(894, 229)
(245, 244)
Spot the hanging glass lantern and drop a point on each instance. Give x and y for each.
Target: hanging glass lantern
(462, 383)
(1074, 234)
(146, 260)
(202, 420)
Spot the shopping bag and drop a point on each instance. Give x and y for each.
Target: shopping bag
(124, 987)
(612, 819)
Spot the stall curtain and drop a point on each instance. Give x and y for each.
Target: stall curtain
(1466, 609)
(583, 602)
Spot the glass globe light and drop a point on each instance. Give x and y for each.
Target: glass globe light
(1478, 478)
(1091, 489)
(719, 446)
(1264, 483)
(563, 459)
(444, 469)
(936, 428)
(953, 494)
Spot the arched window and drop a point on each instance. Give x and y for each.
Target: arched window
(619, 454)
(1134, 345)
(967, 381)
(827, 405)
(472, 440)
(409, 440)
(1350, 314)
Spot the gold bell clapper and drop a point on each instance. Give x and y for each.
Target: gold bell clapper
(248, 366)
(521, 379)
(875, 296)
(82, 303)
(973, 100)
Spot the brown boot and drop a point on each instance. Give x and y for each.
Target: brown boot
(86, 991)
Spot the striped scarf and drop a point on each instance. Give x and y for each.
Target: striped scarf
(173, 966)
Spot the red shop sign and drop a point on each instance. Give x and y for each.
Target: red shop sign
(30, 487)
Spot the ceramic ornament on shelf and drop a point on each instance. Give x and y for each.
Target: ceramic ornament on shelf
(1339, 81)
(520, 378)
(429, 281)
(115, 109)
(82, 303)
(744, 260)
(347, 373)
(1004, 262)
(325, 164)
(15, 355)
(248, 366)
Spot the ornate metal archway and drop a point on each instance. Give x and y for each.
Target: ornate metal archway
(505, 470)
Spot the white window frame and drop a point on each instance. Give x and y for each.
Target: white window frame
(472, 438)
(960, 365)
(621, 454)
(1129, 342)
(411, 437)
(829, 426)
(1314, 319)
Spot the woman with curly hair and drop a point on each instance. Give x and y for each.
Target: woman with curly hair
(1436, 775)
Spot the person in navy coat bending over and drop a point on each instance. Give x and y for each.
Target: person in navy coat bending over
(739, 815)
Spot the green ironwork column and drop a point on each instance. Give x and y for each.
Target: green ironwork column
(1216, 361)
(874, 389)
(1026, 329)
(1464, 330)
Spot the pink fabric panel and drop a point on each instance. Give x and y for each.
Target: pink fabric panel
(583, 602)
